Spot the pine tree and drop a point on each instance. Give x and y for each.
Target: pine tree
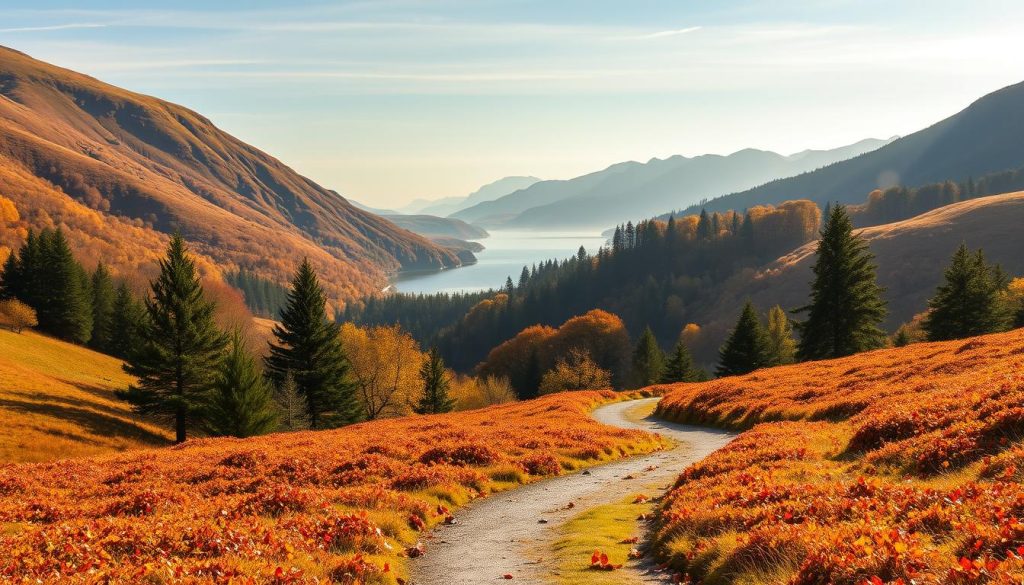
(241, 403)
(9, 278)
(679, 367)
(176, 363)
(64, 305)
(435, 399)
(308, 347)
(127, 321)
(781, 345)
(648, 360)
(103, 297)
(902, 339)
(703, 226)
(509, 286)
(968, 303)
(846, 305)
(524, 279)
(292, 407)
(746, 349)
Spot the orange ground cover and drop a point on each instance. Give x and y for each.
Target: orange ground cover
(339, 506)
(894, 466)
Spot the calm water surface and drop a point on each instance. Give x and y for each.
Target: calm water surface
(505, 255)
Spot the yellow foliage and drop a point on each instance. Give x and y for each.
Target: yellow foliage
(385, 363)
(577, 371)
(471, 393)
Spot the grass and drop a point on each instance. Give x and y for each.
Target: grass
(604, 528)
(57, 401)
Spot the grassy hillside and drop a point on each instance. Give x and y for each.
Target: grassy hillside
(56, 401)
(288, 508)
(120, 170)
(894, 466)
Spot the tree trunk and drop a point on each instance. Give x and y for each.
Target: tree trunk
(179, 426)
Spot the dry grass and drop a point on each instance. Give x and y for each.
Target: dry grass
(900, 465)
(57, 401)
(340, 505)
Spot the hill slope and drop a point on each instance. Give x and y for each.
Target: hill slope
(633, 190)
(894, 466)
(983, 138)
(57, 400)
(488, 192)
(120, 170)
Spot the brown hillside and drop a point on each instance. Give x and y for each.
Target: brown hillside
(911, 257)
(120, 170)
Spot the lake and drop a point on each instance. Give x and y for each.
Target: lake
(505, 255)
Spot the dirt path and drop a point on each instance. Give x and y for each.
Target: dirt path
(504, 534)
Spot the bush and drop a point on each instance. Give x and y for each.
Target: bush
(16, 315)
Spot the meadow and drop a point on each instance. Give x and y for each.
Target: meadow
(895, 466)
(346, 505)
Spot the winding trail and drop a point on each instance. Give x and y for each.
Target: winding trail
(504, 534)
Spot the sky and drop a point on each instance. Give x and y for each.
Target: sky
(387, 101)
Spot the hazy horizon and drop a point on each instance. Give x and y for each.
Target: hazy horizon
(392, 101)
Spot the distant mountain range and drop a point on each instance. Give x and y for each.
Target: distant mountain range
(634, 190)
(450, 205)
(119, 170)
(986, 137)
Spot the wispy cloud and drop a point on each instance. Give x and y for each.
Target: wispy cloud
(665, 33)
(52, 27)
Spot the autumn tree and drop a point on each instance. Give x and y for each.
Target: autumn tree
(241, 402)
(385, 366)
(781, 345)
(181, 347)
(293, 411)
(575, 371)
(16, 315)
(747, 347)
(103, 298)
(435, 398)
(648, 360)
(846, 306)
(679, 367)
(969, 301)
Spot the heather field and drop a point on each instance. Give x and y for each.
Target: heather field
(893, 466)
(343, 506)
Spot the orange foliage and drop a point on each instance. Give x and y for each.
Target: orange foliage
(894, 466)
(292, 507)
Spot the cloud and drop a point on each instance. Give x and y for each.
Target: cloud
(666, 33)
(69, 26)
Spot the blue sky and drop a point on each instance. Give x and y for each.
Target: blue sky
(390, 100)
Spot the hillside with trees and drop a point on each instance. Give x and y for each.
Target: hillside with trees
(120, 171)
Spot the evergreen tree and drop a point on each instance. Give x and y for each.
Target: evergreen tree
(241, 403)
(181, 348)
(509, 286)
(846, 305)
(435, 399)
(524, 279)
(9, 278)
(703, 226)
(747, 348)
(127, 321)
(64, 306)
(968, 303)
(679, 367)
(648, 360)
(781, 345)
(103, 298)
(292, 407)
(308, 347)
(902, 339)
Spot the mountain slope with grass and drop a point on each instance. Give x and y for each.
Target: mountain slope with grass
(893, 466)
(119, 171)
(57, 401)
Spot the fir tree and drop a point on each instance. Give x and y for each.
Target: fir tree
(292, 407)
(435, 399)
(679, 367)
(308, 347)
(968, 303)
(181, 348)
(902, 339)
(103, 298)
(241, 403)
(64, 306)
(509, 286)
(648, 360)
(846, 305)
(781, 345)
(703, 226)
(746, 349)
(9, 278)
(127, 321)
(524, 279)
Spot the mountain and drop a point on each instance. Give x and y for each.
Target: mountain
(119, 171)
(453, 234)
(373, 210)
(489, 192)
(983, 138)
(633, 190)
